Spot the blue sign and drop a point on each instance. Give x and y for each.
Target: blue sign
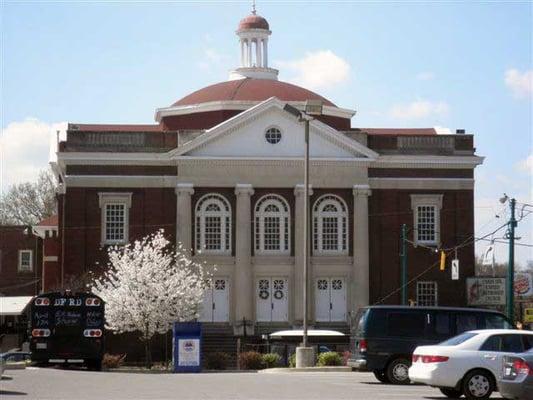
(186, 349)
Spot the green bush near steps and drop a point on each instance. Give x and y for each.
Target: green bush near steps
(271, 360)
(329, 359)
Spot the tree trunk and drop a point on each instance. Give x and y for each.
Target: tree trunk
(147, 354)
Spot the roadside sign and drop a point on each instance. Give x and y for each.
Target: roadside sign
(186, 346)
(485, 291)
(523, 285)
(455, 269)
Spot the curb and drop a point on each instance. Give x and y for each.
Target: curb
(307, 369)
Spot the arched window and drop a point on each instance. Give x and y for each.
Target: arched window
(330, 225)
(272, 225)
(213, 224)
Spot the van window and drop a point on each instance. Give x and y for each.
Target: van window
(465, 322)
(528, 342)
(409, 324)
(442, 324)
(495, 321)
(359, 322)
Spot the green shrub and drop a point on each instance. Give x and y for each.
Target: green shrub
(292, 360)
(251, 360)
(329, 358)
(110, 361)
(271, 360)
(217, 360)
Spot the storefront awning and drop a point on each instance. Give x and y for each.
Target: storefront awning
(310, 332)
(14, 305)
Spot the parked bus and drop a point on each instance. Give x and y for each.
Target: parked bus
(67, 328)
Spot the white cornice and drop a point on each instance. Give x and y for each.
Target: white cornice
(120, 181)
(240, 105)
(287, 161)
(427, 161)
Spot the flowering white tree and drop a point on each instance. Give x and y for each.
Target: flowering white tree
(148, 286)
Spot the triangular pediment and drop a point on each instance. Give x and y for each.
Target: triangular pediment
(244, 136)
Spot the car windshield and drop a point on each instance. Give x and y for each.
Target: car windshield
(456, 340)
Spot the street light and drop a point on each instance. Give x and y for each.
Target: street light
(304, 354)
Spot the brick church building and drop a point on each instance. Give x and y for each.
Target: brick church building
(221, 171)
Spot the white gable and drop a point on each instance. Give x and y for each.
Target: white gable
(244, 136)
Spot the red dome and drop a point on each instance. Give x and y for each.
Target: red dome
(253, 22)
(249, 89)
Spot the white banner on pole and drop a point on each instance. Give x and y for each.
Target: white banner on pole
(455, 269)
(488, 255)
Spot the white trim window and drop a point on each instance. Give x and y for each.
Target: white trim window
(25, 261)
(272, 225)
(426, 212)
(114, 209)
(427, 294)
(330, 225)
(213, 224)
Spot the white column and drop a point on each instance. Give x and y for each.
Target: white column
(184, 215)
(361, 274)
(265, 53)
(299, 234)
(244, 285)
(257, 53)
(249, 63)
(242, 53)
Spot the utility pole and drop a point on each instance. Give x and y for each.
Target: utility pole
(510, 267)
(403, 261)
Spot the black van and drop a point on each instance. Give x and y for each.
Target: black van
(383, 338)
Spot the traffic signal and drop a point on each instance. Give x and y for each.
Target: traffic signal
(442, 260)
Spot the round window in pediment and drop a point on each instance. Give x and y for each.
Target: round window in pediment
(273, 135)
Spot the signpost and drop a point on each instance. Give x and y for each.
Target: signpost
(486, 291)
(186, 346)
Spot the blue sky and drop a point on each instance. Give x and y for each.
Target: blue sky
(452, 64)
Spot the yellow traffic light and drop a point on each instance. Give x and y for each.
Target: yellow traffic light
(442, 260)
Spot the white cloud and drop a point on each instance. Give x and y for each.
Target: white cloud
(425, 76)
(213, 60)
(419, 109)
(520, 83)
(25, 149)
(526, 165)
(320, 69)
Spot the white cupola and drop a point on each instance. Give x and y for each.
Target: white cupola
(253, 33)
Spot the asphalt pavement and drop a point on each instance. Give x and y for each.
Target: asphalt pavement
(59, 384)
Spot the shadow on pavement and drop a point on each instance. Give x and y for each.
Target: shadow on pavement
(11, 393)
(7, 378)
(389, 384)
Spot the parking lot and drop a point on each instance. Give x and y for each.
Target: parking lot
(36, 383)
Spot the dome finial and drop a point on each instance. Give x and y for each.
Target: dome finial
(253, 8)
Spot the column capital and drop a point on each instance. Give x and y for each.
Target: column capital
(244, 189)
(299, 190)
(361, 190)
(184, 189)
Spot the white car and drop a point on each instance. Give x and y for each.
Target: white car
(469, 363)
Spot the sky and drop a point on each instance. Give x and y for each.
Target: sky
(461, 65)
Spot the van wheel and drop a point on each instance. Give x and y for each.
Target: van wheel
(478, 385)
(381, 376)
(398, 371)
(451, 393)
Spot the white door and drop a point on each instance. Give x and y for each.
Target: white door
(221, 300)
(280, 304)
(263, 300)
(215, 306)
(330, 299)
(322, 302)
(272, 299)
(338, 299)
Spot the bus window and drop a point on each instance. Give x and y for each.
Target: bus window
(465, 322)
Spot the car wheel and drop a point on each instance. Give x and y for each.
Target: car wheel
(478, 385)
(381, 376)
(398, 371)
(451, 393)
